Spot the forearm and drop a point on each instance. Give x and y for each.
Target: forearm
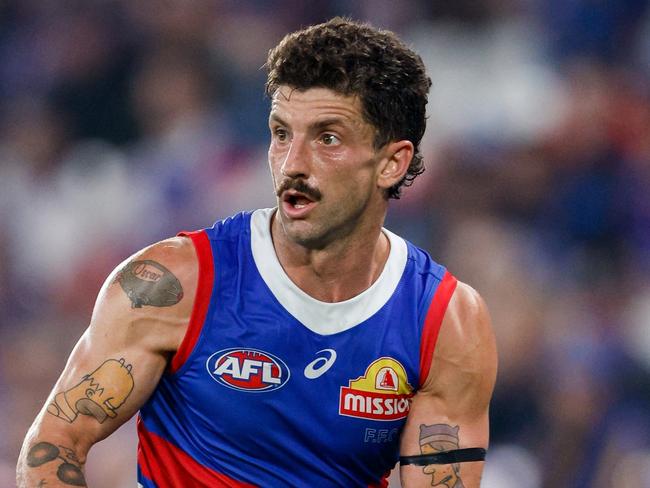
(50, 461)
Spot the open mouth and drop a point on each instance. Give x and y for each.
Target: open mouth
(296, 204)
(297, 200)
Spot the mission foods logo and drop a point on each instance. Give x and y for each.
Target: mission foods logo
(248, 369)
(382, 393)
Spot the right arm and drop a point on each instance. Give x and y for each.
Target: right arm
(139, 320)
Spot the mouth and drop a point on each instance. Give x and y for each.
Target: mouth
(296, 199)
(296, 204)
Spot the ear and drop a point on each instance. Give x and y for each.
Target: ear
(397, 157)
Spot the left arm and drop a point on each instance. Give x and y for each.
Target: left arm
(451, 409)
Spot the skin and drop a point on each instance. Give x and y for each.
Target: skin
(441, 475)
(55, 449)
(320, 144)
(457, 391)
(320, 138)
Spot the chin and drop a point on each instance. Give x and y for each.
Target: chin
(303, 233)
(306, 239)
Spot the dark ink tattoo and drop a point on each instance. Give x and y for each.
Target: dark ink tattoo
(42, 453)
(71, 474)
(99, 394)
(438, 438)
(149, 283)
(69, 471)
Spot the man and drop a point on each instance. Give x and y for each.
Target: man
(297, 346)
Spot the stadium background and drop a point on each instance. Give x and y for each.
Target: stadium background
(123, 122)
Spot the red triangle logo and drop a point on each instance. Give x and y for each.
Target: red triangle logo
(387, 381)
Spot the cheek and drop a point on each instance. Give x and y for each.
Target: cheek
(334, 155)
(339, 164)
(277, 151)
(346, 155)
(275, 162)
(272, 155)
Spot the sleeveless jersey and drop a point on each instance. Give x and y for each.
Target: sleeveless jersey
(271, 387)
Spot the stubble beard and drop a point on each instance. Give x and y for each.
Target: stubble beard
(325, 227)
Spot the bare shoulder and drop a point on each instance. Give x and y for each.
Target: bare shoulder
(154, 276)
(465, 358)
(139, 320)
(450, 411)
(151, 294)
(466, 324)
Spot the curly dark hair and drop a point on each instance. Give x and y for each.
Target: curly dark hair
(352, 58)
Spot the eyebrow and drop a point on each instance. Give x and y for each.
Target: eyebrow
(276, 118)
(318, 125)
(321, 124)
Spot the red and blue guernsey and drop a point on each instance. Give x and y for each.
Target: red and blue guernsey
(271, 387)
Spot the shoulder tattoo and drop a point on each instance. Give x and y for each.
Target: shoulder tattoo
(149, 283)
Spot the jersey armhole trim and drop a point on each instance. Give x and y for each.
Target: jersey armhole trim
(383, 482)
(169, 466)
(201, 300)
(433, 321)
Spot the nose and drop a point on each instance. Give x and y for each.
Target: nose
(296, 160)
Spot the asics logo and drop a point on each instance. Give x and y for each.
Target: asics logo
(321, 364)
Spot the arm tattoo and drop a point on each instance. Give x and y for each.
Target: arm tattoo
(69, 471)
(437, 438)
(99, 394)
(149, 283)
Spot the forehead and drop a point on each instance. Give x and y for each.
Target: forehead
(292, 105)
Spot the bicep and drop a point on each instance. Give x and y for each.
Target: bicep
(102, 385)
(121, 357)
(451, 410)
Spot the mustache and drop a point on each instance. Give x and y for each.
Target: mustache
(299, 186)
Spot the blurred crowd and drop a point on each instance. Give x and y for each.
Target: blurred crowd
(123, 122)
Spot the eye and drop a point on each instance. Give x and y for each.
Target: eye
(280, 134)
(330, 140)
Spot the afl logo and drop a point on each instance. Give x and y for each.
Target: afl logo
(248, 369)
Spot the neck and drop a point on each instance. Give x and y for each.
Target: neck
(341, 270)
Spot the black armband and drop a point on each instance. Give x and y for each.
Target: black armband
(446, 457)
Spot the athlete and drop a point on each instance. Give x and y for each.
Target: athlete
(303, 345)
